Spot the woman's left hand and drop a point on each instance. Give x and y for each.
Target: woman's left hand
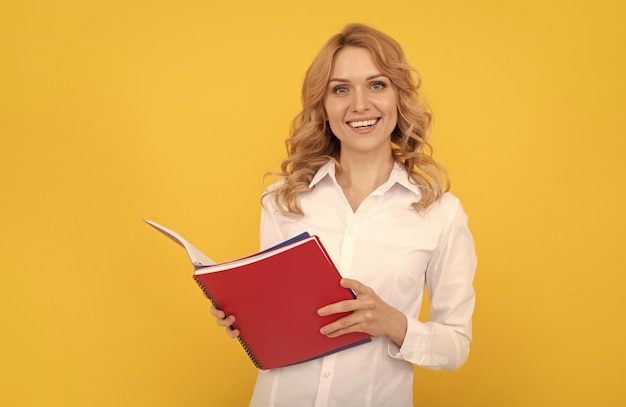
(369, 314)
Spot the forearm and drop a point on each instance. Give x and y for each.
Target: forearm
(397, 327)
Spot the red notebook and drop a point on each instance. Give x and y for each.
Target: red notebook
(275, 296)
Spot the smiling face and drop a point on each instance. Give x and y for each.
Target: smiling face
(360, 103)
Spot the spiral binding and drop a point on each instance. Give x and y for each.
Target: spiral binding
(240, 338)
(253, 358)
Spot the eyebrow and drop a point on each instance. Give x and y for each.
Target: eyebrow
(369, 78)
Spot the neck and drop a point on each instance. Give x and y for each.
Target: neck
(360, 176)
(366, 168)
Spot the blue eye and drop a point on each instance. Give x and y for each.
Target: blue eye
(340, 90)
(379, 85)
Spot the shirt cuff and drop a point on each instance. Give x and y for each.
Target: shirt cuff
(416, 347)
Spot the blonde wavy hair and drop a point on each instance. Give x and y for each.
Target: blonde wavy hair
(312, 144)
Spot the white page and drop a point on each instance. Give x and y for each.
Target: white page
(198, 258)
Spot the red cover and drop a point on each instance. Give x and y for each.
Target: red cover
(275, 297)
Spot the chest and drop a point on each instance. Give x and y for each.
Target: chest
(385, 244)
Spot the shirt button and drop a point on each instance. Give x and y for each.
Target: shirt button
(327, 375)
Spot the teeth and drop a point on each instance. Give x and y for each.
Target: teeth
(363, 123)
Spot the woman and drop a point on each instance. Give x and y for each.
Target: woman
(360, 176)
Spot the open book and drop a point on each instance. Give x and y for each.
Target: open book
(275, 295)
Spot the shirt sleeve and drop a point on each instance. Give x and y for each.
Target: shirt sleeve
(443, 342)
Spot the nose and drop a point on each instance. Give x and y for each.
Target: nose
(360, 101)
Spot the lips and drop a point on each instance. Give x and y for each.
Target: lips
(360, 124)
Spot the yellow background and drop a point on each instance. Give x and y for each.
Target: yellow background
(111, 112)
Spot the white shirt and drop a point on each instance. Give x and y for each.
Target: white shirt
(396, 251)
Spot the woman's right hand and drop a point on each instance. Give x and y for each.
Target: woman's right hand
(225, 322)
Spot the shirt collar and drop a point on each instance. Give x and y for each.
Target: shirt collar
(327, 169)
(398, 176)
